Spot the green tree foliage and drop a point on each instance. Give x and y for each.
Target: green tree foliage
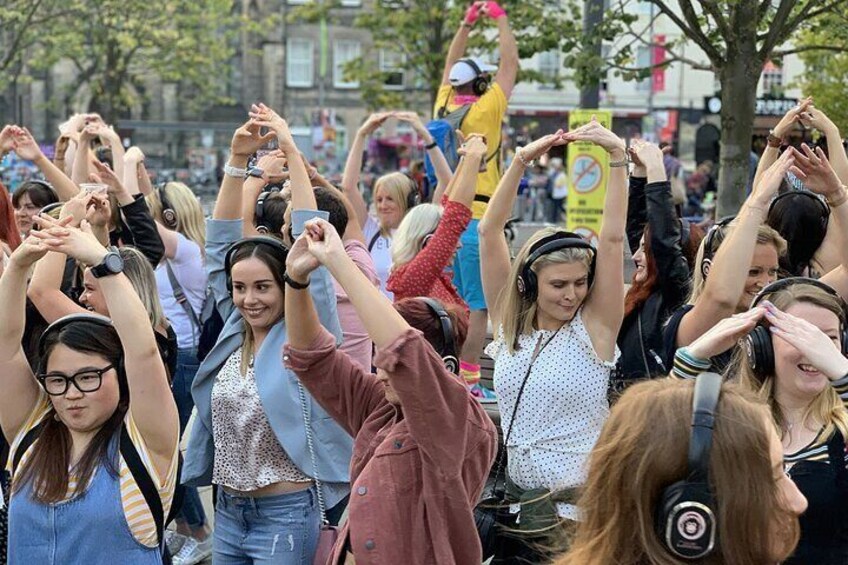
(826, 65)
(115, 46)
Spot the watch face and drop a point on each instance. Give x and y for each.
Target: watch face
(255, 172)
(113, 263)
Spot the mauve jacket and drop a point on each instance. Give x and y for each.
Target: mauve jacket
(416, 473)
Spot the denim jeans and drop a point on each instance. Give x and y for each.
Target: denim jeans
(278, 530)
(187, 364)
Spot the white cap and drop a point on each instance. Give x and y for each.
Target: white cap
(463, 71)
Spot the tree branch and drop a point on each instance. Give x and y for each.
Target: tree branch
(691, 28)
(777, 27)
(805, 48)
(711, 7)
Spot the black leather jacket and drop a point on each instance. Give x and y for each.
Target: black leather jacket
(641, 338)
(137, 228)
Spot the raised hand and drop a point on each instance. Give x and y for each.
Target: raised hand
(7, 139)
(791, 117)
(77, 243)
(264, 116)
(539, 147)
(133, 156)
(594, 132)
(474, 146)
(300, 262)
(812, 117)
(76, 208)
(107, 176)
(26, 146)
(815, 170)
(819, 349)
(726, 333)
(247, 140)
(373, 122)
(645, 154)
(770, 180)
(28, 252)
(324, 241)
(273, 167)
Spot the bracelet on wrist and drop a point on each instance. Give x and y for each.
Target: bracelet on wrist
(235, 172)
(293, 283)
(840, 199)
(524, 162)
(430, 146)
(622, 163)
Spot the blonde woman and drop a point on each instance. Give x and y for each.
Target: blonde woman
(556, 312)
(182, 280)
(427, 239)
(394, 194)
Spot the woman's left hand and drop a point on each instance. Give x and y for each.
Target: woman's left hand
(300, 262)
(79, 244)
(815, 170)
(324, 241)
(809, 340)
(594, 132)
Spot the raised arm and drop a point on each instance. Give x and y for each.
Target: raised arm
(729, 270)
(460, 40)
(494, 250)
(302, 195)
(786, 124)
(605, 305)
(20, 390)
(271, 166)
(440, 164)
(151, 401)
(246, 141)
(108, 136)
(508, 65)
(27, 148)
(133, 170)
(84, 157)
(353, 165)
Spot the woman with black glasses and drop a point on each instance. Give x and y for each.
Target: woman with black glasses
(93, 472)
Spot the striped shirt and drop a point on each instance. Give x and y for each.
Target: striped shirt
(138, 515)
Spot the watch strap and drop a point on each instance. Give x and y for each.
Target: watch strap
(102, 269)
(293, 283)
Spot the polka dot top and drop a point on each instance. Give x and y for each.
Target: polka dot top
(247, 453)
(562, 409)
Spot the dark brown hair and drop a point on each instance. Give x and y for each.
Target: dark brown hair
(48, 466)
(418, 315)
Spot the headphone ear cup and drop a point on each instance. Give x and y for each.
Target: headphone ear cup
(531, 289)
(686, 523)
(170, 217)
(480, 86)
(760, 351)
(451, 364)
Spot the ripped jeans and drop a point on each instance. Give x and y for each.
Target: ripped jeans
(272, 530)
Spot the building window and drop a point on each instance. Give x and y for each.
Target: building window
(343, 52)
(300, 62)
(391, 65)
(772, 79)
(351, 3)
(549, 64)
(643, 61)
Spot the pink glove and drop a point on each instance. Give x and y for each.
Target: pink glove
(471, 14)
(494, 10)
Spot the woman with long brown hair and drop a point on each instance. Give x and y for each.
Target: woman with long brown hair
(662, 247)
(643, 450)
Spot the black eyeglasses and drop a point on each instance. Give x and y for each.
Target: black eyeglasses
(89, 380)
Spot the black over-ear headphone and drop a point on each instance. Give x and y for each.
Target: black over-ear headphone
(413, 197)
(686, 521)
(277, 247)
(448, 352)
(527, 283)
(260, 209)
(169, 216)
(758, 345)
(480, 84)
(712, 240)
(46, 185)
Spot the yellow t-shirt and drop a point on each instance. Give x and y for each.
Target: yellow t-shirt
(138, 515)
(484, 117)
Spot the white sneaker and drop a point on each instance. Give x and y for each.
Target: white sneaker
(193, 552)
(174, 541)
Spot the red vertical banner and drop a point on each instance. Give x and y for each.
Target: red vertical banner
(658, 58)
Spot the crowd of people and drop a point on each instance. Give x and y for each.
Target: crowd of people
(317, 356)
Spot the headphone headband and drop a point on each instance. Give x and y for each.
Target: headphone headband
(57, 326)
(704, 403)
(527, 281)
(448, 353)
(470, 62)
(277, 246)
(781, 284)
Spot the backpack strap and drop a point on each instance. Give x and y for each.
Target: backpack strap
(374, 241)
(26, 442)
(181, 298)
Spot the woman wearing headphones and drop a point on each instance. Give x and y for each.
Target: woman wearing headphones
(640, 460)
(661, 279)
(731, 269)
(394, 194)
(555, 333)
(426, 241)
(423, 446)
(99, 395)
(794, 359)
(248, 438)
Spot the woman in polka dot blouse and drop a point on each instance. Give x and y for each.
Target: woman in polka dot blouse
(428, 236)
(557, 330)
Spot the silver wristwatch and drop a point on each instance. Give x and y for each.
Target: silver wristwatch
(236, 172)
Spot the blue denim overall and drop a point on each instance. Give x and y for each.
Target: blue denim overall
(90, 529)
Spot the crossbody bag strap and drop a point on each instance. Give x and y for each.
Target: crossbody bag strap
(181, 298)
(143, 480)
(373, 241)
(539, 348)
(25, 443)
(310, 444)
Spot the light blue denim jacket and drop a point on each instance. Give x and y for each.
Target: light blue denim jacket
(277, 386)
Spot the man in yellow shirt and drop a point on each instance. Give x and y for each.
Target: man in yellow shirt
(467, 83)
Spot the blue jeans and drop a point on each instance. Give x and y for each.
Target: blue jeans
(187, 365)
(278, 530)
